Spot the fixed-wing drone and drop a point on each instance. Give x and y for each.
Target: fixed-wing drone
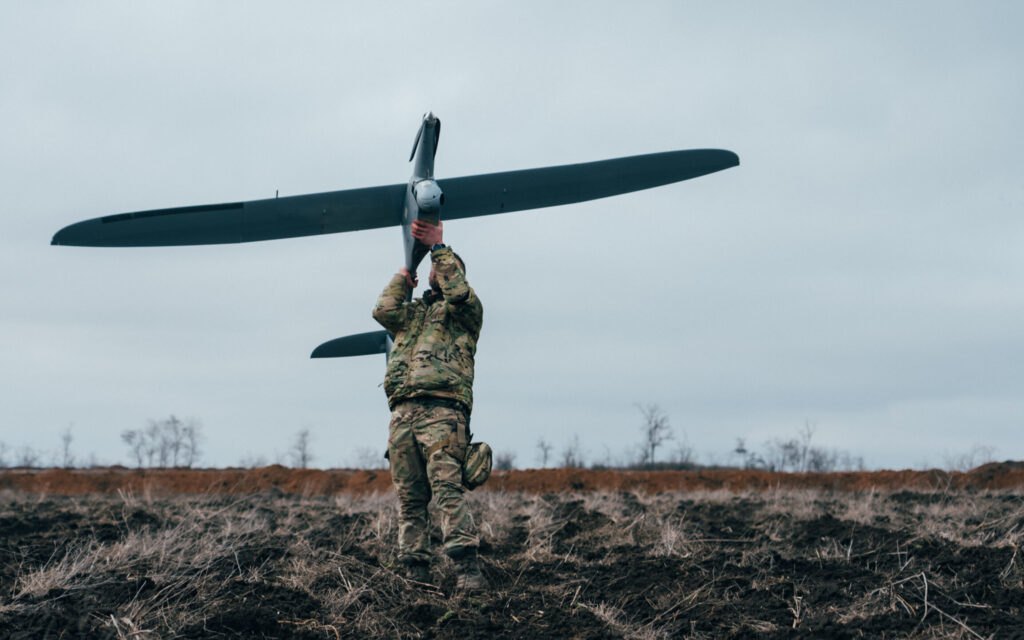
(422, 198)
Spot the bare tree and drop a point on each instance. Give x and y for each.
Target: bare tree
(606, 461)
(151, 440)
(505, 461)
(656, 431)
(741, 448)
(782, 455)
(67, 460)
(977, 456)
(190, 435)
(172, 440)
(543, 451)
(301, 454)
(683, 455)
(3, 455)
(572, 454)
(167, 439)
(850, 462)
(28, 457)
(798, 455)
(821, 460)
(749, 459)
(369, 458)
(250, 461)
(806, 434)
(136, 441)
(163, 443)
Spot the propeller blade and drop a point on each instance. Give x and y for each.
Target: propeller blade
(550, 186)
(360, 344)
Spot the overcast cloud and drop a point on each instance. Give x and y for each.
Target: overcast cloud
(860, 270)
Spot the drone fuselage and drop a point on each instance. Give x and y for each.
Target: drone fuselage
(423, 196)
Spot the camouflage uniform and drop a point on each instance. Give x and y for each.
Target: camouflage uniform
(429, 384)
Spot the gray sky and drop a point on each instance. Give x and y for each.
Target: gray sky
(860, 270)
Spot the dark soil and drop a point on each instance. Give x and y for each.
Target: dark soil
(775, 564)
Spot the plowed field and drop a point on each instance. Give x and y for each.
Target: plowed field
(280, 554)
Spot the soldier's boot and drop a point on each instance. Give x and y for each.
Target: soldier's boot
(468, 574)
(418, 571)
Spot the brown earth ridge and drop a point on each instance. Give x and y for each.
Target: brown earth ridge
(317, 482)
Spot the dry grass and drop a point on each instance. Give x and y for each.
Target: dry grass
(703, 564)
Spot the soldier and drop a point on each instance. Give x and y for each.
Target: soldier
(429, 384)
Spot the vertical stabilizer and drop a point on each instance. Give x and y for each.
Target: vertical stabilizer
(424, 147)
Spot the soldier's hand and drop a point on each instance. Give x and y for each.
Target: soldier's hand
(427, 233)
(410, 278)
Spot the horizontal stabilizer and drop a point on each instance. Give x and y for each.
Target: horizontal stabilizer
(269, 219)
(550, 186)
(360, 344)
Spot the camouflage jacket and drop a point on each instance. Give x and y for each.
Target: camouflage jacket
(435, 336)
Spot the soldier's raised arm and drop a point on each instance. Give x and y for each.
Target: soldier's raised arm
(392, 310)
(461, 299)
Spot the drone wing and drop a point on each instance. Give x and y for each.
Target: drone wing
(370, 208)
(287, 217)
(550, 186)
(360, 344)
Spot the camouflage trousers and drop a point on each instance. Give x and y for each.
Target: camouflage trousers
(426, 456)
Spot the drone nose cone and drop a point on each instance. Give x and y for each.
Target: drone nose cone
(430, 117)
(429, 196)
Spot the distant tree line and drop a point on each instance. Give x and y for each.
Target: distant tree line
(174, 442)
(652, 452)
(655, 451)
(797, 455)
